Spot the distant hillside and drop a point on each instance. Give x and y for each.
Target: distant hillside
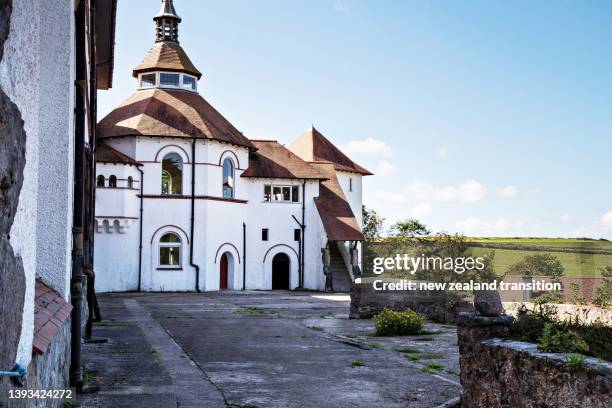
(580, 257)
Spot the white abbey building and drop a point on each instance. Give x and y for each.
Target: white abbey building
(186, 202)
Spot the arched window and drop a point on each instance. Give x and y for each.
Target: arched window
(170, 251)
(100, 181)
(228, 178)
(130, 182)
(112, 181)
(172, 174)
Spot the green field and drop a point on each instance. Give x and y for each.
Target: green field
(580, 257)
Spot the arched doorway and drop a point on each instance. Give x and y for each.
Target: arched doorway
(223, 272)
(280, 271)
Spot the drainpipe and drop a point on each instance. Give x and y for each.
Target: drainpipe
(243, 256)
(302, 243)
(140, 232)
(76, 281)
(193, 172)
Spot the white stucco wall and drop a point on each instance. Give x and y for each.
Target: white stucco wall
(35, 74)
(353, 197)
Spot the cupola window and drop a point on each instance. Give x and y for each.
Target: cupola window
(171, 80)
(189, 82)
(100, 181)
(147, 80)
(112, 181)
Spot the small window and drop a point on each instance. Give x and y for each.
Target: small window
(170, 251)
(281, 193)
(267, 192)
(228, 178)
(112, 181)
(147, 80)
(189, 82)
(172, 174)
(169, 80)
(295, 193)
(100, 181)
(264, 234)
(297, 234)
(130, 182)
(350, 184)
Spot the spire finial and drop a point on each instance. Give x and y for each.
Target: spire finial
(166, 21)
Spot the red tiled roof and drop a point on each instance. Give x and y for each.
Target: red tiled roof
(171, 113)
(106, 154)
(50, 313)
(338, 219)
(273, 160)
(166, 56)
(312, 146)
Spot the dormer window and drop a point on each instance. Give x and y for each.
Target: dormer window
(168, 80)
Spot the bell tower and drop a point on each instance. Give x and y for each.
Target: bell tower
(166, 21)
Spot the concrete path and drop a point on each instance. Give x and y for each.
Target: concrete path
(262, 349)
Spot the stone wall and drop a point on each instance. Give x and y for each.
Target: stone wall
(497, 372)
(565, 312)
(436, 305)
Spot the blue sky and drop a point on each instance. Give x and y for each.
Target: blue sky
(482, 117)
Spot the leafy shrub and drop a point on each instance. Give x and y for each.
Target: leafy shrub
(575, 296)
(555, 339)
(603, 294)
(548, 297)
(392, 323)
(575, 361)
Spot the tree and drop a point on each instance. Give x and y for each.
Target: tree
(372, 223)
(604, 291)
(540, 264)
(411, 228)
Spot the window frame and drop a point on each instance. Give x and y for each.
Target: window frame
(161, 176)
(270, 188)
(112, 181)
(157, 81)
(100, 178)
(178, 245)
(130, 182)
(350, 184)
(233, 178)
(265, 234)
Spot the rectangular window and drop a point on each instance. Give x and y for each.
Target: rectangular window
(264, 234)
(350, 184)
(147, 80)
(189, 83)
(295, 193)
(169, 256)
(267, 192)
(169, 80)
(296, 234)
(281, 193)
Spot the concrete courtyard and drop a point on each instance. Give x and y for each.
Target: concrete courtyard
(261, 349)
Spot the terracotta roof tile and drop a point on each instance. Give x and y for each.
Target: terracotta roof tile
(170, 113)
(106, 154)
(50, 313)
(312, 146)
(338, 219)
(273, 160)
(166, 56)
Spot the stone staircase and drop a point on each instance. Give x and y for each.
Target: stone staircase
(340, 276)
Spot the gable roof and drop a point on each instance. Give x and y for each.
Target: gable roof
(106, 154)
(166, 56)
(312, 146)
(169, 113)
(338, 219)
(273, 160)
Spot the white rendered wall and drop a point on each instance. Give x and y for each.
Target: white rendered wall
(354, 197)
(36, 77)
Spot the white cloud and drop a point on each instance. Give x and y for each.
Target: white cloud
(565, 217)
(421, 210)
(507, 191)
(384, 167)
(442, 152)
(469, 191)
(369, 147)
(606, 220)
(478, 226)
